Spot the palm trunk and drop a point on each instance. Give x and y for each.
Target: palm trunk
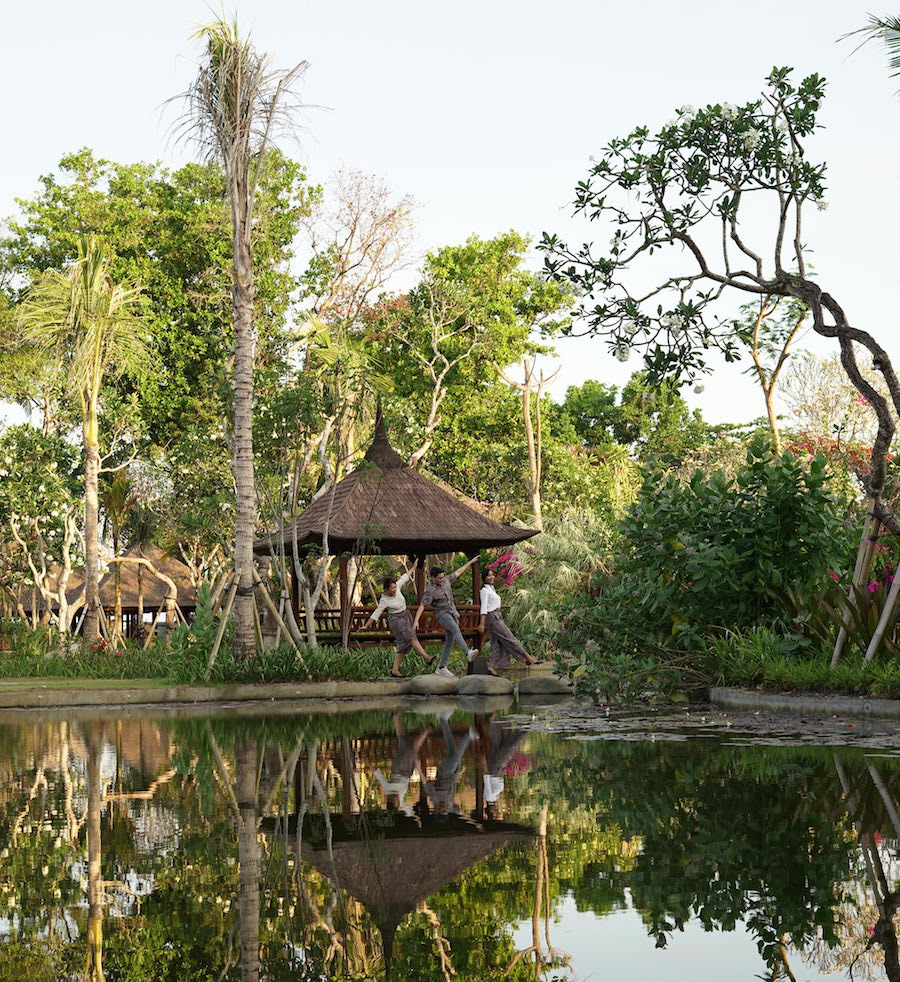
(242, 448)
(94, 968)
(246, 764)
(91, 629)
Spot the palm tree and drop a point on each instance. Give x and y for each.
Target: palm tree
(89, 324)
(887, 31)
(234, 106)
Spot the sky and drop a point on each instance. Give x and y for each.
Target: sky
(486, 113)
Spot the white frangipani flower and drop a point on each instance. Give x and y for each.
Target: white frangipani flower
(751, 138)
(729, 111)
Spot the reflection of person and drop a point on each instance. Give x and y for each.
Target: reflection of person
(499, 743)
(439, 596)
(399, 619)
(504, 644)
(442, 790)
(402, 765)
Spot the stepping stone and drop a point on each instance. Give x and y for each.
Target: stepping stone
(485, 705)
(433, 685)
(544, 685)
(484, 685)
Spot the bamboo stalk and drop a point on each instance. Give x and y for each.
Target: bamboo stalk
(223, 621)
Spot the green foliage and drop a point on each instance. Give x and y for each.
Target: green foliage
(763, 657)
(654, 190)
(557, 566)
(170, 231)
(703, 557)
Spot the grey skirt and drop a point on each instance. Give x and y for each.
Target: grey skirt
(505, 647)
(401, 625)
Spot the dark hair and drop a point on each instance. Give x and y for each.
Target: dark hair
(437, 570)
(388, 582)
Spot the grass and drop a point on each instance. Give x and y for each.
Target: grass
(757, 659)
(37, 655)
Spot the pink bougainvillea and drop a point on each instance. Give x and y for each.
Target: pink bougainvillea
(507, 567)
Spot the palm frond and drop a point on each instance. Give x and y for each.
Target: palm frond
(885, 30)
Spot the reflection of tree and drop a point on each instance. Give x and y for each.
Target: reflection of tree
(554, 958)
(886, 899)
(94, 962)
(729, 836)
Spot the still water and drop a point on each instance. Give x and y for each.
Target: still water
(554, 843)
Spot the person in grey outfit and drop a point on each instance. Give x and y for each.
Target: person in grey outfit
(439, 596)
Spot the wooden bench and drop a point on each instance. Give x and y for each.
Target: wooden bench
(328, 626)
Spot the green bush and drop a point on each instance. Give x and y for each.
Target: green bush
(700, 558)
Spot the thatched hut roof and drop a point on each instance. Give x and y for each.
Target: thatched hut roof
(154, 589)
(392, 871)
(386, 506)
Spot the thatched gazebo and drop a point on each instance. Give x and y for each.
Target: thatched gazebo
(384, 507)
(392, 870)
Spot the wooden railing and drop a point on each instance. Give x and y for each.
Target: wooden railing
(328, 626)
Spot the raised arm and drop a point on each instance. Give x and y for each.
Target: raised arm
(465, 566)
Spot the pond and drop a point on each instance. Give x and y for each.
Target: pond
(548, 843)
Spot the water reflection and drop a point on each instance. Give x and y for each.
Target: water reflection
(429, 847)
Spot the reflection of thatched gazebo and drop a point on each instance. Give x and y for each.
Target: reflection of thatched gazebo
(385, 507)
(150, 581)
(391, 871)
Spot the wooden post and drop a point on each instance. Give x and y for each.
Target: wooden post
(476, 641)
(344, 589)
(223, 621)
(420, 578)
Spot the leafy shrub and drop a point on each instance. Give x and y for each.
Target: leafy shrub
(703, 557)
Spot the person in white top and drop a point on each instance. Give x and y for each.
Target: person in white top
(504, 644)
(400, 620)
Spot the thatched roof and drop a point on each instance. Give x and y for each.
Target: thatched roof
(392, 871)
(387, 507)
(154, 589)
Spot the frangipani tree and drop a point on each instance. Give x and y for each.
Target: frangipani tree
(711, 204)
(90, 325)
(234, 107)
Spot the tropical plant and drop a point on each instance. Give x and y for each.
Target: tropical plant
(702, 557)
(694, 184)
(91, 325)
(234, 106)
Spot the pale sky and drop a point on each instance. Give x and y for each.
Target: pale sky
(486, 113)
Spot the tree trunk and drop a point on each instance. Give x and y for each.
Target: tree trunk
(242, 446)
(246, 765)
(773, 418)
(94, 967)
(91, 628)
